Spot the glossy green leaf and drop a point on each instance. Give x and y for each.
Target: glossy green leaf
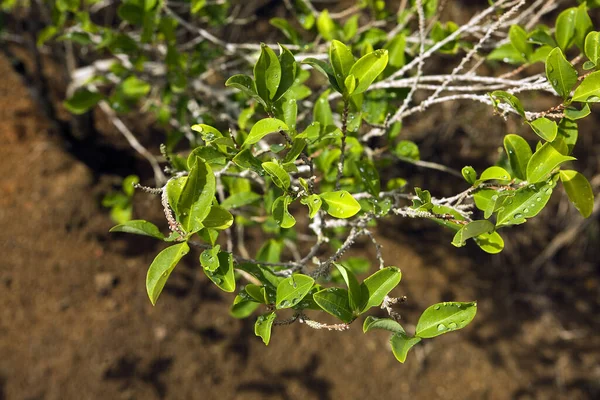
(491, 243)
(508, 54)
(223, 276)
(560, 73)
(545, 128)
(396, 48)
(298, 146)
(342, 60)
(378, 285)
(174, 188)
(518, 38)
(445, 317)
(401, 345)
(543, 162)
(281, 214)
(292, 290)
(82, 101)
(340, 204)
(279, 176)
(290, 113)
(368, 68)
(386, 324)
(240, 199)
(469, 174)
(493, 173)
(579, 191)
(568, 131)
(512, 100)
(209, 258)
(267, 73)
(592, 47)
(350, 85)
(573, 113)
(313, 202)
(257, 293)
(196, 196)
(139, 227)
(264, 127)
(356, 299)
(218, 218)
(263, 326)
(161, 268)
(322, 113)
(589, 90)
(565, 28)
(583, 25)
(289, 71)
(527, 202)
(334, 301)
(245, 159)
(367, 173)
(471, 230)
(519, 152)
(244, 83)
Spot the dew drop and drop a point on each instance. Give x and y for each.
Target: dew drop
(526, 210)
(518, 216)
(436, 307)
(441, 327)
(452, 325)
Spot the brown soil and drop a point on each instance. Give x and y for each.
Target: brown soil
(75, 321)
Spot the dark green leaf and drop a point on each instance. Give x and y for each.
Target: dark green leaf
(81, 101)
(267, 73)
(240, 199)
(518, 38)
(565, 28)
(322, 111)
(325, 69)
(334, 301)
(279, 176)
(292, 290)
(560, 73)
(223, 276)
(289, 71)
(356, 299)
(242, 308)
(519, 153)
(514, 102)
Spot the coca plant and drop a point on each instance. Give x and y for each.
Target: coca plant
(294, 164)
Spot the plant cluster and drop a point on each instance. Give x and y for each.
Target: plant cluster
(266, 152)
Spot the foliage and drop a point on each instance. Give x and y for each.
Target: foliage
(270, 151)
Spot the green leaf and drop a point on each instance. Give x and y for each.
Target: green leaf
(356, 299)
(592, 47)
(573, 113)
(565, 28)
(279, 176)
(543, 162)
(263, 325)
(223, 276)
(134, 87)
(579, 191)
(382, 323)
(340, 204)
(267, 73)
(139, 227)
(174, 188)
(290, 113)
(469, 174)
(518, 38)
(545, 128)
(292, 290)
(560, 73)
(401, 344)
(218, 218)
(264, 127)
(508, 54)
(589, 90)
(244, 159)
(342, 60)
(322, 111)
(196, 196)
(519, 153)
(445, 317)
(209, 259)
(527, 202)
(493, 173)
(367, 173)
(395, 48)
(161, 268)
(326, 25)
(314, 204)
(245, 84)
(349, 85)
(378, 285)
(281, 214)
(289, 71)
(297, 146)
(491, 243)
(325, 69)
(471, 230)
(240, 199)
(82, 101)
(583, 25)
(367, 68)
(407, 149)
(568, 131)
(285, 27)
(514, 102)
(334, 301)
(242, 308)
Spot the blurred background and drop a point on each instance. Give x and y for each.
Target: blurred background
(76, 323)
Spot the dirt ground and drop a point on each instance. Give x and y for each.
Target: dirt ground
(75, 321)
